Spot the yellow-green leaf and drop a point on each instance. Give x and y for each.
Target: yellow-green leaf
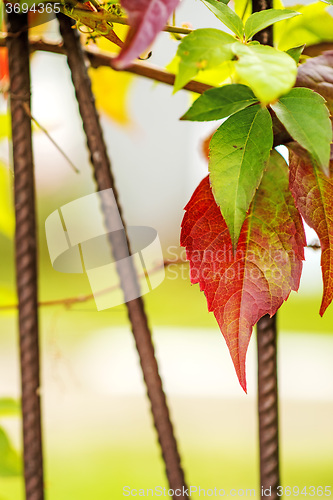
(260, 20)
(314, 26)
(267, 71)
(226, 15)
(202, 49)
(9, 407)
(111, 90)
(4, 126)
(7, 218)
(10, 463)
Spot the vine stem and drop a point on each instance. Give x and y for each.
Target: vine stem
(25, 253)
(98, 59)
(103, 15)
(70, 301)
(120, 250)
(267, 362)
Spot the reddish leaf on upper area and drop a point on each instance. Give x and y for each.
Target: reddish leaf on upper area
(317, 74)
(242, 288)
(146, 18)
(313, 194)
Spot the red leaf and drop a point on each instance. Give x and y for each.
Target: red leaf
(147, 18)
(4, 71)
(205, 145)
(313, 194)
(317, 74)
(241, 289)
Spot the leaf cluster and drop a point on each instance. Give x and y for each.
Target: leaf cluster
(250, 207)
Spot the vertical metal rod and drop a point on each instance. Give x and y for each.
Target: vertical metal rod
(264, 36)
(128, 278)
(268, 407)
(26, 252)
(267, 362)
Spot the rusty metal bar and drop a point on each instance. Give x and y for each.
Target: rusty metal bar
(267, 362)
(128, 278)
(268, 407)
(26, 253)
(264, 36)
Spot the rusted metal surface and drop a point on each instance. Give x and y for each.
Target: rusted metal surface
(264, 36)
(128, 278)
(26, 253)
(268, 407)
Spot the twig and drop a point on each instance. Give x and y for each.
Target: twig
(103, 15)
(98, 59)
(26, 254)
(120, 250)
(70, 301)
(43, 129)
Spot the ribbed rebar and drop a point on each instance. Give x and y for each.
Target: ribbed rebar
(264, 36)
(26, 253)
(268, 407)
(128, 278)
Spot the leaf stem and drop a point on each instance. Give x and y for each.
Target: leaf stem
(81, 299)
(104, 16)
(43, 129)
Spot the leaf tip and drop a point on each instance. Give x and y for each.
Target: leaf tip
(242, 381)
(324, 305)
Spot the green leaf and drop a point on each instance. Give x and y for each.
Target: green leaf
(306, 118)
(202, 49)
(222, 102)
(295, 52)
(241, 288)
(237, 162)
(269, 72)
(226, 15)
(260, 20)
(215, 77)
(315, 25)
(243, 8)
(9, 407)
(10, 462)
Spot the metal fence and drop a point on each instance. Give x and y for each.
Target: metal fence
(27, 282)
